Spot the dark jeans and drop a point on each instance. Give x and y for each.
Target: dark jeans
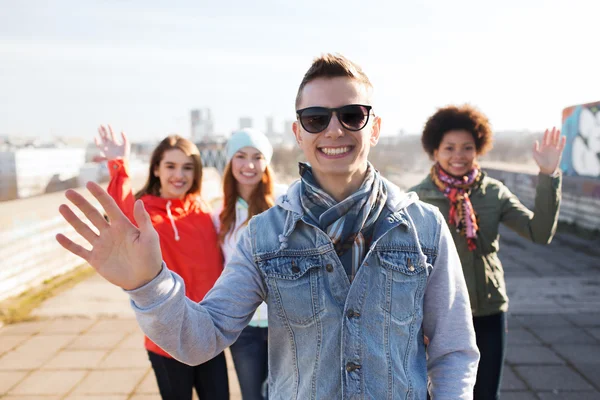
(176, 380)
(249, 354)
(490, 332)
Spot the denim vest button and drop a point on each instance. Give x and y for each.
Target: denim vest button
(352, 314)
(295, 269)
(329, 268)
(351, 367)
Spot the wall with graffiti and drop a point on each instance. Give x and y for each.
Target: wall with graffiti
(581, 125)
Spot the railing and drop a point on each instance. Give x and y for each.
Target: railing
(580, 204)
(29, 252)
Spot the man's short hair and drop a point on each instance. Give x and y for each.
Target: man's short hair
(332, 66)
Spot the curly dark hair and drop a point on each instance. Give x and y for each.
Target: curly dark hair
(465, 117)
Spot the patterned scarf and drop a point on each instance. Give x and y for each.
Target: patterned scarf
(457, 190)
(350, 222)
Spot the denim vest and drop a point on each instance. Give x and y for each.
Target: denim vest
(332, 339)
(329, 338)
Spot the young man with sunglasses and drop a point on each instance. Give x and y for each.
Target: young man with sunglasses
(356, 274)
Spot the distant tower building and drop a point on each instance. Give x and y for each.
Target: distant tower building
(288, 134)
(202, 124)
(245, 122)
(269, 127)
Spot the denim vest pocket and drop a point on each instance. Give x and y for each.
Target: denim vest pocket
(405, 277)
(296, 284)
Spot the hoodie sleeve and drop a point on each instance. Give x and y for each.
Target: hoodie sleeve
(194, 333)
(119, 187)
(452, 351)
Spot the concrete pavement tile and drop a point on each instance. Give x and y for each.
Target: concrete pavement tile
(92, 397)
(569, 396)
(531, 354)
(8, 343)
(580, 353)
(46, 344)
(595, 332)
(513, 322)
(68, 325)
(520, 272)
(76, 359)
(9, 379)
(517, 396)
(590, 371)
(545, 321)
(21, 360)
(90, 341)
(114, 325)
(549, 270)
(571, 335)
(549, 378)
(48, 383)
(521, 336)
(585, 319)
(148, 385)
(24, 328)
(510, 381)
(126, 359)
(110, 382)
(134, 341)
(36, 397)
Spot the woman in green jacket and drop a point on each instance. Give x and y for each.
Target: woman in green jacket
(475, 205)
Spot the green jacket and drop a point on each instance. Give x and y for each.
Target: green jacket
(494, 203)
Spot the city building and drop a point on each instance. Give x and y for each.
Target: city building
(245, 122)
(202, 125)
(29, 172)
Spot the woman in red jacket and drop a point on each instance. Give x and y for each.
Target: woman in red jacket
(182, 219)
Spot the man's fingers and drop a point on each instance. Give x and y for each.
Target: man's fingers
(73, 247)
(87, 208)
(141, 216)
(108, 204)
(80, 227)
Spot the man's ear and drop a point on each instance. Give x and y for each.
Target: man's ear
(296, 130)
(375, 131)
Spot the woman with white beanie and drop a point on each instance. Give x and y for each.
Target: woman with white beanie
(248, 190)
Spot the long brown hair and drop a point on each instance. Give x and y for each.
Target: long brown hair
(261, 199)
(152, 185)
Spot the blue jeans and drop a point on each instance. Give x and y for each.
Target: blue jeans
(490, 332)
(176, 379)
(249, 353)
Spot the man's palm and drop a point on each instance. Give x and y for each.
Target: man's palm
(123, 254)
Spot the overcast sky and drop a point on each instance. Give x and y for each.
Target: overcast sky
(68, 66)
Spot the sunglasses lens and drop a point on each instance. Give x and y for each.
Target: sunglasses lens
(315, 119)
(354, 117)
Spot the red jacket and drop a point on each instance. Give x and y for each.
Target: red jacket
(188, 239)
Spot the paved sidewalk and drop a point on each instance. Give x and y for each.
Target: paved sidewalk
(87, 345)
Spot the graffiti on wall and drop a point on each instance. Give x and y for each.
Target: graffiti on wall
(581, 126)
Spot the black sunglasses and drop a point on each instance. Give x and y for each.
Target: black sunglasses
(353, 117)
